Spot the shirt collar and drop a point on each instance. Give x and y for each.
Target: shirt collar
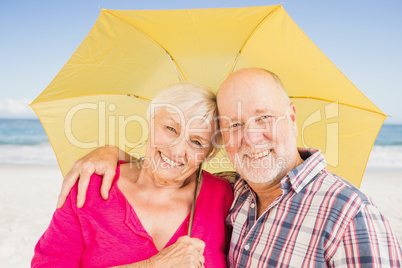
(301, 175)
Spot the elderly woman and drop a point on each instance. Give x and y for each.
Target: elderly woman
(145, 220)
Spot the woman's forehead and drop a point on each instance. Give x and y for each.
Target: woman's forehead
(187, 117)
(196, 126)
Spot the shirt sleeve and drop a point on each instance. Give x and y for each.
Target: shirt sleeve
(368, 242)
(62, 244)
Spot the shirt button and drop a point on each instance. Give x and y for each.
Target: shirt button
(247, 247)
(252, 205)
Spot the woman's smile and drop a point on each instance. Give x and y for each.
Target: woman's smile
(169, 161)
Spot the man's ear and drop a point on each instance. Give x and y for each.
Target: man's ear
(292, 116)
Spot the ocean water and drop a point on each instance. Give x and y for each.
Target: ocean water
(387, 149)
(24, 141)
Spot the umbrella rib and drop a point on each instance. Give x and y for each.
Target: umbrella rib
(341, 103)
(176, 67)
(252, 33)
(138, 97)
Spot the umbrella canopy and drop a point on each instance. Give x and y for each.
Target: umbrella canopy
(100, 96)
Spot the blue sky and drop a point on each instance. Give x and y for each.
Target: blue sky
(362, 38)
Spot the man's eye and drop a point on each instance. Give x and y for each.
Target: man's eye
(265, 117)
(171, 129)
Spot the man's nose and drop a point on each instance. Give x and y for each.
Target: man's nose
(253, 135)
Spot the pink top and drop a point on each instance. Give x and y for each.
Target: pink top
(109, 233)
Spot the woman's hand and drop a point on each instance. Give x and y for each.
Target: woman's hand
(101, 161)
(185, 253)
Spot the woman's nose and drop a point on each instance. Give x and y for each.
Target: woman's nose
(179, 148)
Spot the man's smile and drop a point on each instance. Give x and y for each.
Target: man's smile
(258, 155)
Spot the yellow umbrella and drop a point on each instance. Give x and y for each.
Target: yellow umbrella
(99, 97)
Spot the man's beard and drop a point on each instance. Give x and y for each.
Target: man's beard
(264, 170)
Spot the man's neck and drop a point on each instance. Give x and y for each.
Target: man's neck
(266, 194)
(269, 191)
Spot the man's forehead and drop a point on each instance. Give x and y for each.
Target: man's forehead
(243, 110)
(231, 96)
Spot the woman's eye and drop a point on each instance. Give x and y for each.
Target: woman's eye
(235, 125)
(197, 143)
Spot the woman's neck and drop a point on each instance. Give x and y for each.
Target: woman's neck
(146, 179)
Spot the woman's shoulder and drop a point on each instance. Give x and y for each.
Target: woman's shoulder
(94, 185)
(217, 192)
(216, 182)
(94, 181)
(129, 172)
(219, 177)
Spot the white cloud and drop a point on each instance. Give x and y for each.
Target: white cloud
(12, 108)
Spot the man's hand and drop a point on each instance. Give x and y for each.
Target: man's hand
(101, 161)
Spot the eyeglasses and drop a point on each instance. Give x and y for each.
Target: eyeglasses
(266, 121)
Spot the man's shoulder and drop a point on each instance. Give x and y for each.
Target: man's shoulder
(342, 189)
(336, 201)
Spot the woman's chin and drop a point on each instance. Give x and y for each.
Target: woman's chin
(169, 171)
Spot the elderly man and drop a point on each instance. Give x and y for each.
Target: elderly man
(289, 210)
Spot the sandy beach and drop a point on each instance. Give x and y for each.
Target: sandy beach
(28, 199)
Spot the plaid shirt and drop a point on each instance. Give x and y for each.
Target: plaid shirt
(320, 220)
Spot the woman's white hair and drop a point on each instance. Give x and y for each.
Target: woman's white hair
(192, 99)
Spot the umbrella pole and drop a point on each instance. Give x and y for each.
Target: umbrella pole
(197, 185)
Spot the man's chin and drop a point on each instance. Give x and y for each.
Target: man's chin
(258, 176)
